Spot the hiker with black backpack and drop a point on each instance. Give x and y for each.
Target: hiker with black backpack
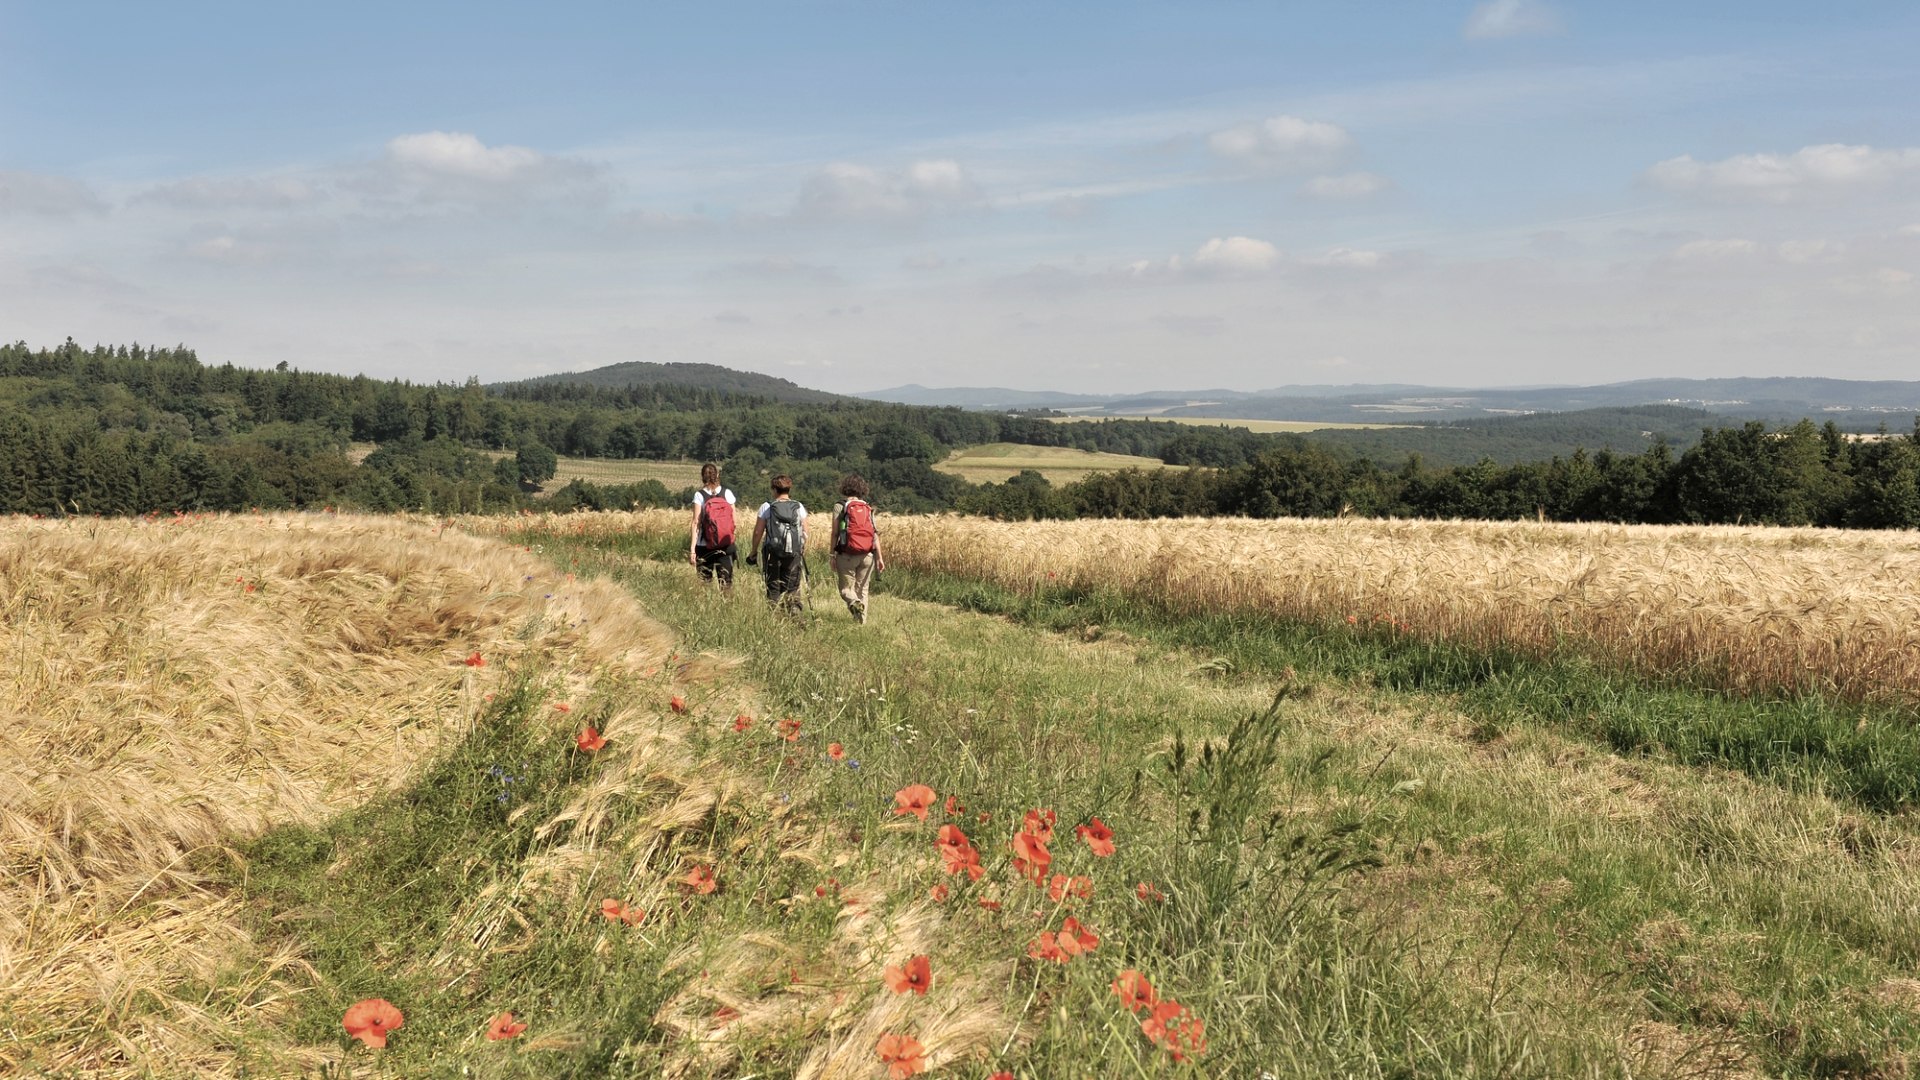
(856, 545)
(711, 548)
(780, 539)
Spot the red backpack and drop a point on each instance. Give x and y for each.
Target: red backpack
(855, 534)
(716, 520)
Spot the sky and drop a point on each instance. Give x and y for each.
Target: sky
(1062, 195)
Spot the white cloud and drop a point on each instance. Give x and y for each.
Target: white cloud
(1810, 251)
(1235, 255)
(1782, 177)
(456, 153)
(1353, 185)
(1511, 18)
(1715, 250)
(1283, 143)
(226, 193)
(1907, 230)
(1348, 259)
(46, 196)
(844, 191)
(435, 165)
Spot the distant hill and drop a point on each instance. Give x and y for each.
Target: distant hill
(1856, 405)
(1510, 440)
(700, 376)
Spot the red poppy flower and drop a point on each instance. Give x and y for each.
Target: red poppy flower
(954, 809)
(742, 722)
(1061, 886)
(990, 905)
(613, 909)
(790, 729)
(1098, 837)
(1135, 991)
(958, 853)
(370, 1020)
(913, 799)
(903, 1056)
(1040, 824)
(700, 879)
(503, 1027)
(1154, 1026)
(476, 660)
(1047, 947)
(939, 893)
(1003, 1074)
(678, 704)
(1075, 939)
(1031, 857)
(590, 740)
(1189, 1038)
(915, 975)
(1148, 894)
(561, 706)
(836, 752)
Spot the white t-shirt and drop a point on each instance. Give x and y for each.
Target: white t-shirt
(799, 517)
(701, 495)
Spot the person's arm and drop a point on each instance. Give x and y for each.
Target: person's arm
(693, 532)
(879, 560)
(759, 530)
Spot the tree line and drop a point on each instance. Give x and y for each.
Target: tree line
(133, 429)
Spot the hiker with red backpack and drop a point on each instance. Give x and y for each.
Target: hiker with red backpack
(711, 546)
(856, 545)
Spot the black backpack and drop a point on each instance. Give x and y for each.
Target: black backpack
(783, 528)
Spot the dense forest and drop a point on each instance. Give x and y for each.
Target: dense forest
(133, 429)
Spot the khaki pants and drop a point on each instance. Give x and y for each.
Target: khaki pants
(855, 572)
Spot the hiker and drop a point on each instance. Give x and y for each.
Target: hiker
(856, 545)
(710, 547)
(780, 539)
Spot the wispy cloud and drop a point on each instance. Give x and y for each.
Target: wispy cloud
(1785, 177)
(1512, 18)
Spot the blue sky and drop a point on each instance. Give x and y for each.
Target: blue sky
(1069, 195)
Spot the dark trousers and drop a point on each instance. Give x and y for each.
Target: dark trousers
(716, 562)
(783, 578)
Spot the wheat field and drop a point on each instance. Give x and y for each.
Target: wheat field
(1748, 608)
(173, 688)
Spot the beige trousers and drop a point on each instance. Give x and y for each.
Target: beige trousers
(855, 572)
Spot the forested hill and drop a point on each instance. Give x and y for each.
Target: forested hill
(1511, 440)
(640, 373)
(128, 429)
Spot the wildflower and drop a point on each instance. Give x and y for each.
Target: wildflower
(476, 660)
(1040, 824)
(678, 704)
(742, 722)
(790, 729)
(1047, 947)
(503, 1027)
(613, 909)
(370, 1020)
(915, 975)
(1135, 991)
(1352, 620)
(589, 739)
(903, 1056)
(939, 893)
(724, 1015)
(1061, 886)
(1003, 1074)
(990, 905)
(1099, 838)
(913, 799)
(1031, 857)
(954, 809)
(1074, 939)
(700, 879)
(836, 752)
(958, 852)
(1148, 894)
(561, 706)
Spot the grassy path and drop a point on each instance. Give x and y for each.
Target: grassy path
(1540, 906)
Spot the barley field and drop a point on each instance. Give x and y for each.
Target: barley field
(994, 463)
(1746, 608)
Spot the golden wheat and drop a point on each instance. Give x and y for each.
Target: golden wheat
(1749, 608)
(174, 688)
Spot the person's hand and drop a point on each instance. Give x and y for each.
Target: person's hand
(879, 564)
(693, 559)
(752, 560)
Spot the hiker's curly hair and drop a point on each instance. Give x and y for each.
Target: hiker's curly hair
(851, 485)
(782, 484)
